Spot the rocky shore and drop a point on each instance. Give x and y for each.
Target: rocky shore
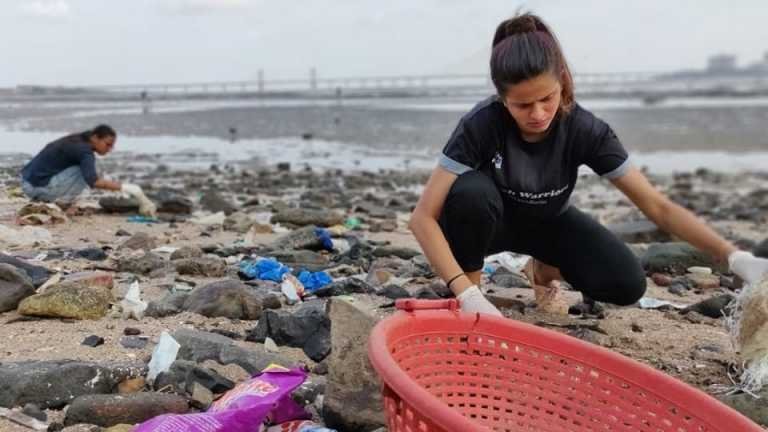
(78, 342)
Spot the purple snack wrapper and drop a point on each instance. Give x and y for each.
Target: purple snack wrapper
(245, 408)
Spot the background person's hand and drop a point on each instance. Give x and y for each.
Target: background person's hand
(131, 189)
(748, 267)
(472, 300)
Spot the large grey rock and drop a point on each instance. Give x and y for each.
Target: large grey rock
(676, 258)
(213, 202)
(171, 304)
(143, 265)
(38, 274)
(238, 222)
(308, 328)
(301, 217)
(200, 346)
(353, 393)
(303, 260)
(140, 241)
(171, 201)
(15, 286)
(186, 252)
(302, 238)
(112, 409)
(228, 298)
(79, 299)
(202, 266)
(53, 384)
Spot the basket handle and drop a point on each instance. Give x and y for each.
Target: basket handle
(410, 304)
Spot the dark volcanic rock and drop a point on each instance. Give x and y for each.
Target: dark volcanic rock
(119, 204)
(676, 258)
(712, 307)
(39, 275)
(15, 286)
(53, 384)
(345, 287)
(308, 328)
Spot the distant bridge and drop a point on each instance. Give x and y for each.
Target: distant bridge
(647, 85)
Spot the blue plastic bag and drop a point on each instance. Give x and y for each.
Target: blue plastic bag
(264, 269)
(314, 281)
(325, 238)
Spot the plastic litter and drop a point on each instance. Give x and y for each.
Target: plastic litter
(653, 303)
(210, 220)
(325, 238)
(133, 306)
(341, 245)
(165, 250)
(142, 219)
(163, 356)
(313, 281)
(352, 223)
(511, 261)
(263, 399)
(264, 269)
(292, 289)
(299, 426)
(26, 236)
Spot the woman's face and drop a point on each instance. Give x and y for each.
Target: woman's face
(533, 104)
(103, 145)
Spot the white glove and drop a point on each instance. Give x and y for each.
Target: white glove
(131, 189)
(146, 207)
(748, 267)
(472, 300)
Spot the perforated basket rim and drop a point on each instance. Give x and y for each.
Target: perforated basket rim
(706, 408)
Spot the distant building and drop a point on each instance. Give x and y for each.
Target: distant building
(721, 63)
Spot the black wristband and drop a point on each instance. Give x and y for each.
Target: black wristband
(453, 279)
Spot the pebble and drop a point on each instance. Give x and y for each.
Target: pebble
(93, 341)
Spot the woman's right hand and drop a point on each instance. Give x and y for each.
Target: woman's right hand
(472, 300)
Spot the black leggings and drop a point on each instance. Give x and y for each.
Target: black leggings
(590, 258)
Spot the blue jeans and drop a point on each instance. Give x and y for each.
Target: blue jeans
(63, 187)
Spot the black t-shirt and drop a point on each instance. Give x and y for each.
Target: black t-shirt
(536, 179)
(71, 150)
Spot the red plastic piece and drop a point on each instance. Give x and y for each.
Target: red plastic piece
(444, 370)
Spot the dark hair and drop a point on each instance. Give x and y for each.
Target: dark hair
(524, 48)
(100, 131)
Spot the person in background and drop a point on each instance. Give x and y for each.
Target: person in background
(505, 176)
(66, 166)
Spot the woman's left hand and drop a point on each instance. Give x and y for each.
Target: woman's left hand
(748, 267)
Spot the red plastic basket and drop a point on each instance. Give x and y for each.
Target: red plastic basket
(443, 370)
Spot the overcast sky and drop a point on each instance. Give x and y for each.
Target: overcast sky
(78, 42)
